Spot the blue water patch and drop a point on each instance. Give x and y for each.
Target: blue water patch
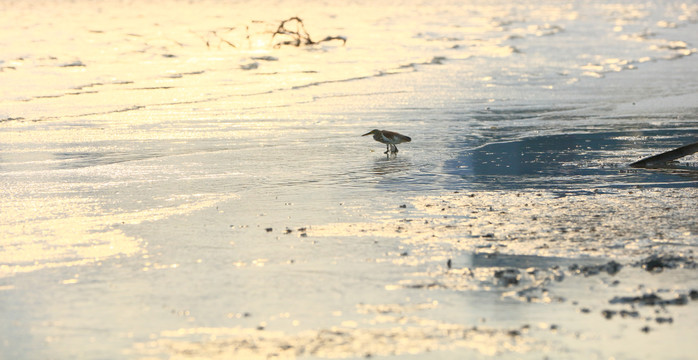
(575, 160)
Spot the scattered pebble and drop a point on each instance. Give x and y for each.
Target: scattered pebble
(649, 299)
(608, 314)
(507, 277)
(611, 268)
(657, 263)
(664, 320)
(627, 313)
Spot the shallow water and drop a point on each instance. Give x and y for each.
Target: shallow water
(141, 170)
(570, 161)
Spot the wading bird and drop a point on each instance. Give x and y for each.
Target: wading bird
(389, 138)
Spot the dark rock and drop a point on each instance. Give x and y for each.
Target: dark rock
(649, 299)
(507, 277)
(608, 314)
(646, 299)
(664, 320)
(657, 263)
(611, 268)
(627, 313)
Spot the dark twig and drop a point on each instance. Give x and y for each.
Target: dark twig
(290, 32)
(300, 35)
(330, 38)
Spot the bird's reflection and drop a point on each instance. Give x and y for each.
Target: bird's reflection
(390, 164)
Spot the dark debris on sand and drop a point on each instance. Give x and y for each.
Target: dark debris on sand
(650, 299)
(657, 263)
(611, 268)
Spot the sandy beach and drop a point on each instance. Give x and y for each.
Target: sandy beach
(188, 180)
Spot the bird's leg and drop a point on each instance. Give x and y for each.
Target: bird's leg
(395, 148)
(387, 148)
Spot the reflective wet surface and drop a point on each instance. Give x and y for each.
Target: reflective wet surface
(585, 160)
(166, 194)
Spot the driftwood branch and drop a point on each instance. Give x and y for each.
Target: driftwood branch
(215, 35)
(662, 159)
(290, 32)
(300, 35)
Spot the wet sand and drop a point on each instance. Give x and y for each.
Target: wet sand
(165, 195)
(629, 291)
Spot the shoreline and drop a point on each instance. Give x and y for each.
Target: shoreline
(604, 267)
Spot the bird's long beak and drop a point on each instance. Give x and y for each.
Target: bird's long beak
(368, 133)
